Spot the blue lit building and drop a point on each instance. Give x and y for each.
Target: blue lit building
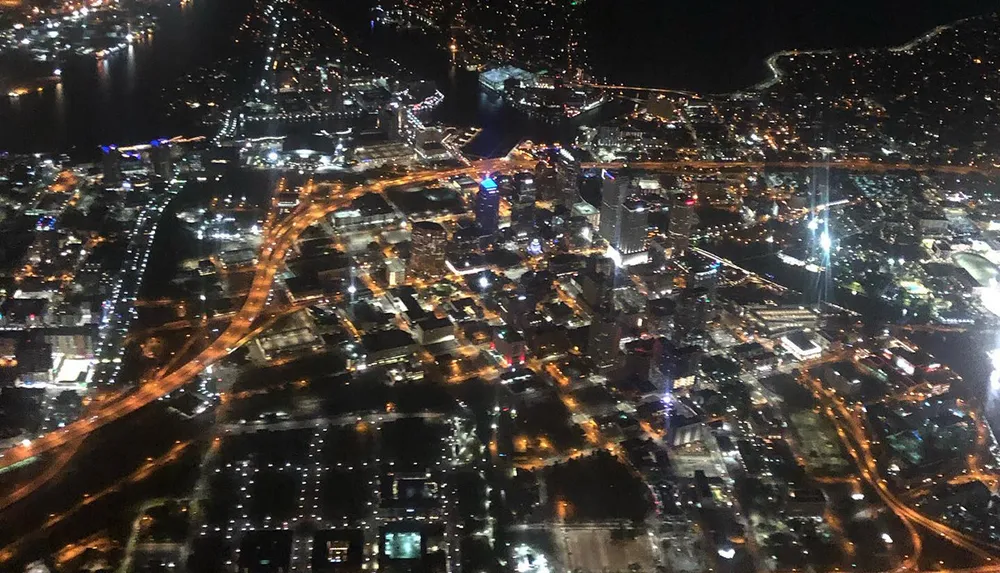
(487, 207)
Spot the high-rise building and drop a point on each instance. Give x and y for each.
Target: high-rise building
(395, 272)
(702, 272)
(633, 237)
(487, 207)
(391, 121)
(683, 220)
(661, 251)
(602, 346)
(673, 366)
(614, 191)
(428, 243)
(522, 204)
(693, 312)
(111, 161)
(159, 156)
(597, 289)
(658, 208)
(546, 181)
(567, 179)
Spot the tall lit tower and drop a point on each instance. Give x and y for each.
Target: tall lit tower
(614, 191)
(487, 207)
(633, 237)
(567, 179)
(522, 209)
(159, 156)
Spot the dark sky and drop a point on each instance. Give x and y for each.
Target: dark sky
(719, 45)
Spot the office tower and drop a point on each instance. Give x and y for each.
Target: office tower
(614, 191)
(391, 121)
(702, 272)
(428, 243)
(694, 308)
(159, 156)
(468, 239)
(633, 235)
(567, 179)
(522, 204)
(603, 341)
(660, 312)
(683, 220)
(673, 366)
(637, 359)
(600, 264)
(546, 183)
(661, 251)
(597, 289)
(112, 165)
(658, 208)
(395, 272)
(487, 207)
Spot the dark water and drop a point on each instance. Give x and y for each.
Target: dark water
(720, 46)
(123, 99)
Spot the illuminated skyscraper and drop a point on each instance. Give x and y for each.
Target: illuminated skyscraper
(522, 205)
(683, 220)
(487, 207)
(546, 181)
(693, 313)
(614, 191)
(567, 179)
(603, 340)
(633, 235)
(702, 272)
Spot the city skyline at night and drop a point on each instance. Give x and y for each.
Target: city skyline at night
(468, 286)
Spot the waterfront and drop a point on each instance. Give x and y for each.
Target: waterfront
(126, 98)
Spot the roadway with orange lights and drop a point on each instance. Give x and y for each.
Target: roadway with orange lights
(279, 238)
(142, 472)
(856, 441)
